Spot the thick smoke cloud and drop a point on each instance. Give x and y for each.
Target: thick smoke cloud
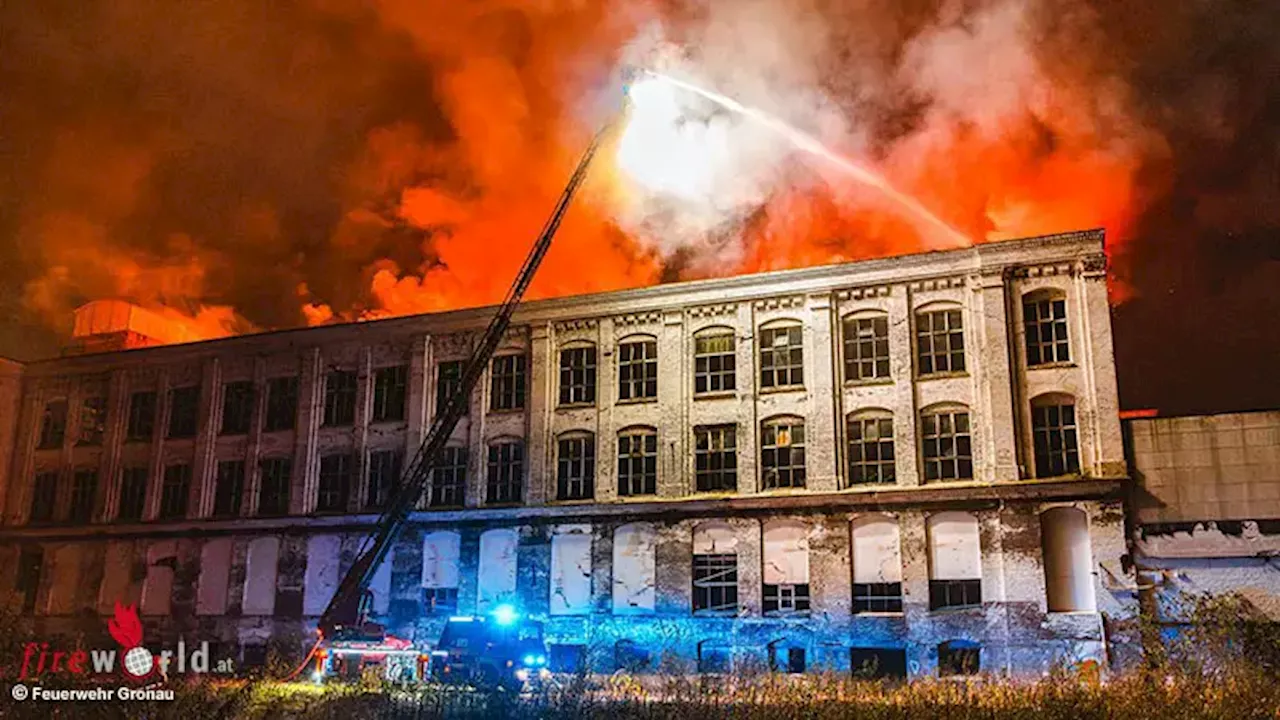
(244, 166)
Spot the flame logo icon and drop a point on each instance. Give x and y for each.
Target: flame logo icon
(126, 628)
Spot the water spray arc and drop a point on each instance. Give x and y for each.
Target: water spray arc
(811, 145)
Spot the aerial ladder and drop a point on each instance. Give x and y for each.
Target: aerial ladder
(346, 619)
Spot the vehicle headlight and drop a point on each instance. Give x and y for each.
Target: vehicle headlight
(522, 675)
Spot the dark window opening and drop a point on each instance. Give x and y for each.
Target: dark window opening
(175, 491)
(142, 417)
(390, 386)
(785, 600)
(871, 454)
(714, 658)
(53, 427)
(782, 453)
(448, 382)
(93, 421)
(715, 583)
(714, 364)
(946, 445)
(229, 488)
(439, 601)
(340, 398)
(335, 483)
(637, 462)
(1045, 322)
(630, 657)
(133, 494)
(950, 594)
(237, 407)
(449, 479)
(576, 468)
(30, 568)
(44, 497)
(84, 491)
(877, 597)
(716, 458)
(786, 659)
(959, 657)
(184, 410)
(578, 376)
(384, 477)
(782, 357)
(505, 483)
(282, 404)
(878, 663)
(273, 495)
(1053, 429)
(866, 348)
(638, 370)
(939, 342)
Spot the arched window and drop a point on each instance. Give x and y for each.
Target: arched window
(1068, 560)
(441, 555)
(940, 340)
(496, 575)
(871, 458)
(507, 379)
(576, 466)
(505, 482)
(782, 452)
(715, 569)
(637, 461)
(866, 346)
(571, 570)
(877, 565)
(638, 368)
(578, 374)
(715, 455)
(634, 568)
(786, 568)
(1053, 434)
(714, 361)
(782, 355)
(1044, 321)
(945, 443)
(955, 561)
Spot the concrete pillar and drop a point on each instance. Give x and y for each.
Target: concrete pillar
(1106, 459)
(675, 568)
(902, 370)
(112, 438)
(830, 572)
(19, 496)
(988, 349)
(155, 483)
(915, 591)
(822, 387)
(253, 448)
(748, 380)
(360, 432)
(540, 446)
(208, 423)
(303, 487)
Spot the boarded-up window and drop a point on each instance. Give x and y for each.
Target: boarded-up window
(955, 561)
(157, 588)
(634, 568)
(571, 570)
(877, 565)
(323, 557)
(215, 567)
(260, 576)
(441, 552)
(786, 568)
(497, 573)
(1068, 560)
(116, 584)
(66, 579)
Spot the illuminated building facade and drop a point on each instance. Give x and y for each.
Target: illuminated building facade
(912, 462)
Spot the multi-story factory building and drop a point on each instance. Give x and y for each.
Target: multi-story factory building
(916, 461)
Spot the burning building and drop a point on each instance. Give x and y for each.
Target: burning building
(913, 462)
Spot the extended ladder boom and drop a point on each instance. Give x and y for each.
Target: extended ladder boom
(343, 609)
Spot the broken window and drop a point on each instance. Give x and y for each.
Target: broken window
(634, 568)
(441, 553)
(637, 462)
(1053, 431)
(30, 570)
(870, 446)
(273, 493)
(946, 444)
(714, 363)
(716, 458)
(335, 483)
(449, 479)
(1044, 319)
(44, 497)
(157, 585)
(782, 453)
(237, 407)
(714, 657)
(571, 570)
(261, 560)
(507, 384)
(174, 491)
(638, 370)
(389, 389)
(786, 659)
(866, 348)
(229, 488)
(578, 375)
(505, 483)
(496, 575)
(955, 561)
(133, 494)
(184, 410)
(53, 427)
(877, 565)
(786, 568)
(448, 382)
(93, 421)
(782, 357)
(84, 490)
(1068, 560)
(576, 467)
(939, 342)
(878, 663)
(715, 570)
(340, 398)
(282, 404)
(959, 657)
(384, 476)
(142, 417)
